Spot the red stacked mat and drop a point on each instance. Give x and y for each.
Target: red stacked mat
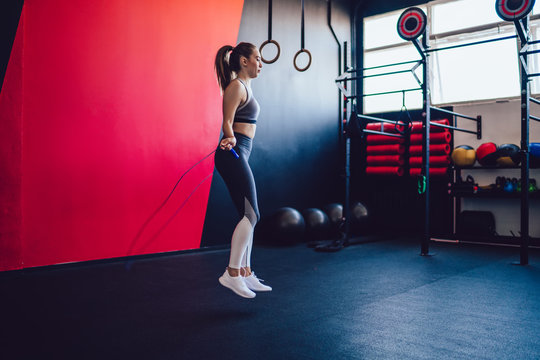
(439, 149)
(385, 154)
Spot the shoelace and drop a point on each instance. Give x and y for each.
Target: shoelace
(255, 276)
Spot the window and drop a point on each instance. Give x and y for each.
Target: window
(462, 14)
(534, 60)
(484, 71)
(384, 29)
(396, 82)
(478, 72)
(382, 45)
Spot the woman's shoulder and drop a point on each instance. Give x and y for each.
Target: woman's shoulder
(234, 84)
(235, 88)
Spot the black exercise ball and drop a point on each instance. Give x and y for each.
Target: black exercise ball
(335, 213)
(288, 226)
(317, 224)
(508, 155)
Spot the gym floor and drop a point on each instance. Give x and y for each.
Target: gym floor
(378, 300)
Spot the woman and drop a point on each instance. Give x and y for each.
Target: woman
(235, 67)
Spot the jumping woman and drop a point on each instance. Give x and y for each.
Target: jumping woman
(235, 68)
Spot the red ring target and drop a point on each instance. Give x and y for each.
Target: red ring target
(511, 10)
(412, 23)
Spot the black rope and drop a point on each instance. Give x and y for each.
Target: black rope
(175, 213)
(139, 233)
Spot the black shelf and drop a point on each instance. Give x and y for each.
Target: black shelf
(494, 167)
(494, 239)
(500, 195)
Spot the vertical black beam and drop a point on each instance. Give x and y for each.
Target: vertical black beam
(525, 114)
(343, 115)
(358, 54)
(346, 206)
(425, 150)
(329, 20)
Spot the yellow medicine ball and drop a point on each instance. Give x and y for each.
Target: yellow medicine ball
(464, 155)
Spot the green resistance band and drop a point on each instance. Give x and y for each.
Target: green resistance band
(421, 184)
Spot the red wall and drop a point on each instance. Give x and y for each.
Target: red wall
(119, 98)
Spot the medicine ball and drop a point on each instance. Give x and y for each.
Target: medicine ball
(359, 213)
(288, 226)
(335, 213)
(464, 155)
(317, 224)
(534, 151)
(487, 154)
(508, 155)
(359, 218)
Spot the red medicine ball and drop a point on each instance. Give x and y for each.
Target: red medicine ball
(486, 154)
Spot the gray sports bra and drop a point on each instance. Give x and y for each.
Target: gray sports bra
(248, 112)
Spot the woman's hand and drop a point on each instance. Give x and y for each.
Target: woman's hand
(227, 143)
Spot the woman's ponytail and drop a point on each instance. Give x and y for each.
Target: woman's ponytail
(228, 61)
(223, 70)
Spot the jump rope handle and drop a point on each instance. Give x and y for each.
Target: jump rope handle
(234, 153)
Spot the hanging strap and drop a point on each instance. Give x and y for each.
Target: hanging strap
(302, 28)
(269, 19)
(302, 47)
(270, 41)
(404, 122)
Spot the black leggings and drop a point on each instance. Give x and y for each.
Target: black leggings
(238, 177)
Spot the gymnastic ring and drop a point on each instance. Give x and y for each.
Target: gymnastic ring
(278, 51)
(296, 56)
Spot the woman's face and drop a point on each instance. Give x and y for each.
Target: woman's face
(254, 64)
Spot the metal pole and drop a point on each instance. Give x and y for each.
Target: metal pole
(388, 65)
(534, 100)
(471, 43)
(392, 92)
(340, 124)
(525, 114)
(346, 206)
(454, 113)
(383, 133)
(424, 251)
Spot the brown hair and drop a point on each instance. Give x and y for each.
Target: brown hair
(226, 63)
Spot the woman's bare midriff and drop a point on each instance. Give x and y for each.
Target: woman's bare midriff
(245, 129)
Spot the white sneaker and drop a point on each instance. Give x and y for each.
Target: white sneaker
(236, 284)
(254, 283)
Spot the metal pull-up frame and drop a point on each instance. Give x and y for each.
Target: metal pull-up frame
(521, 22)
(411, 25)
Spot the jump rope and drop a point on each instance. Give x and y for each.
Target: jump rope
(160, 230)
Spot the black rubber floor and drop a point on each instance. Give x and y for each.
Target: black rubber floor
(372, 301)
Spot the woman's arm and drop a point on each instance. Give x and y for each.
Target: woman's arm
(232, 98)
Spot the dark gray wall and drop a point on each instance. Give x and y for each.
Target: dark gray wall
(296, 157)
(10, 13)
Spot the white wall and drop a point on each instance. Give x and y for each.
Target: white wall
(501, 125)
